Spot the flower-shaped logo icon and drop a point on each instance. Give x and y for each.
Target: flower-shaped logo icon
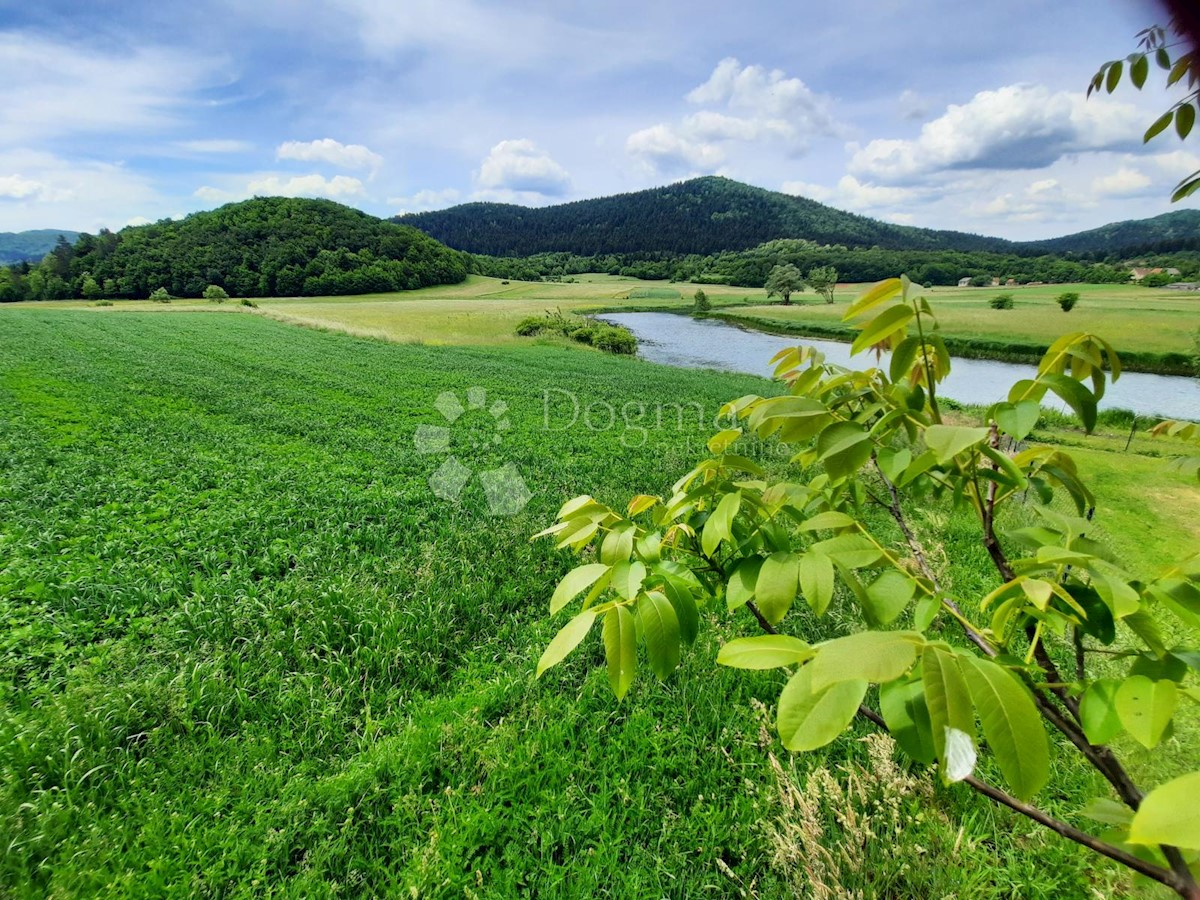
(504, 488)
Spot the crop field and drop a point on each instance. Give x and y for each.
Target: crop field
(247, 649)
(1145, 324)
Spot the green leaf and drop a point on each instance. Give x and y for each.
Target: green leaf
(1107, 811)
(620, 648)
(1011, 724)
(1114, 76)
(872, 297)
(843, 447)
(1098, 711)
(947, 695)
(827, 520)
(1138, 71)
(764, 651)
(816, 580)
(1018, 419)
(809, 719)
(741, 583)
(1159, 126)
(874, 656)
(1163, 58)
(566, 640)
(1145, 708)
(1185, 118)
(627, 578)
(617, 544)
(850, 550)
(1076, 396)
(883, 326)
(719, 526)
(684, 604)
(1170, 814)
(660, 630)
(907, 716)
(889, 595)
(575, 582)
(778, 580)
(719, 442)
(947, 441)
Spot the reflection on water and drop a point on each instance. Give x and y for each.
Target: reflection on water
(679, 340)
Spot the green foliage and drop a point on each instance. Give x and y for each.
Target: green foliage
(654, 293)
(90, 289)
(700, 302)
(1001, 301)
(1067, 300)
(246, 301)
(1180, 68)
(960, 676)
(160, 295)
(601, 335)
(783, 281)
(823, 280)
(215, 293)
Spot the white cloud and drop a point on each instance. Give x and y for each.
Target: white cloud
(424, 200)
(272, 185)
(1121, 183)
(15, 187)
(850, 193)
(137, 220)
(519, 166)
(56, 89)
(1014, 127)
(215, 145)
(912, 105)
(1178, 163)
(335, 153)
(752, 104)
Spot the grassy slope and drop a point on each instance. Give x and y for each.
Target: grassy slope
(246, 649)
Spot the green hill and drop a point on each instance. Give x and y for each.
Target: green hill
(1179, 230)
(30, 246)
(268, 246)
(704, 215)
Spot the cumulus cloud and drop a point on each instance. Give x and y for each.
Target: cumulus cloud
(850, 193)
(339, 187)
(744, 104)
(425, 199)
(1014, 127)
(1121, 183)
(519, 166)
(334, 153)
(15, 187)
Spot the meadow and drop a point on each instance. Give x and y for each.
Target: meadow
(247, 651)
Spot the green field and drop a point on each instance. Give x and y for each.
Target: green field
(1154, 329)
(247, 651)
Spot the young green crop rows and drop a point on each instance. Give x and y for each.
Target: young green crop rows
(245, 650)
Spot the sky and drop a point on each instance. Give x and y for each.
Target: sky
(938, 113)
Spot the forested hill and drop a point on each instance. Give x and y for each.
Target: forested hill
(1179, 230)
(269, 246)
(704, 215)
(29, 246)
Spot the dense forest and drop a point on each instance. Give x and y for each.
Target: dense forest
(1179, 230)
(30, 246)
(749, 268)
(704, 215)
(269, 246)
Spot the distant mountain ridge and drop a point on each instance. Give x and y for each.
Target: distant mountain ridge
(30, 246)
(703, 215)
(714, 214)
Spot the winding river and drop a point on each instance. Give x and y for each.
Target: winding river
(679, 340)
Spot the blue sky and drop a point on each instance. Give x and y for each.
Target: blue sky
(939, 113)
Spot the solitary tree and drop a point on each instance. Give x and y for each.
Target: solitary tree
(701, 302)
(784, 281)
(216, 293)
(160, 295)
(823, 279)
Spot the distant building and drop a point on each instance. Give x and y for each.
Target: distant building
(964, 282)
(1139, 273)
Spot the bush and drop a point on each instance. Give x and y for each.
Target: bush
(215, 293)
(980, 281)
(103, 303)
(161, 296)
(614, 340)
(601, 335)
(701, 302)
(1001, 301)
(1068, 300)
(246, 301)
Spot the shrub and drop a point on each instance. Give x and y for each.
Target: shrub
(530, 326)
(980, 281)
(161, 296)
(1068, 300)
(215, 293)
(246, 301)
(701, 302)
(1001, 301)
(614, 340)
(601, 335)
(103, 303)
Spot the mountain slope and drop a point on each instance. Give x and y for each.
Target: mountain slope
(265, 247)
(1179, 230)
(30, 246)
(704, 215)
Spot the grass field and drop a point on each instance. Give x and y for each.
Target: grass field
(246, 651)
